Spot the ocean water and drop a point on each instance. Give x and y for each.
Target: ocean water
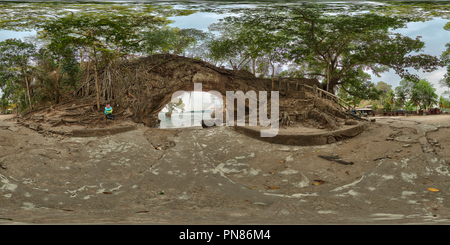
(184, 119)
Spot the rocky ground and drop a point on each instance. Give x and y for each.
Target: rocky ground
(219, 176)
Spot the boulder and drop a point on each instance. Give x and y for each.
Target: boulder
(350, 122)
(37, 117)
(331, 139)
(35, 126)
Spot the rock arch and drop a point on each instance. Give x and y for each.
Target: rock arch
(145, 85)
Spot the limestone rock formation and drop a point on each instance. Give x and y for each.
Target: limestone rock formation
(146, 85)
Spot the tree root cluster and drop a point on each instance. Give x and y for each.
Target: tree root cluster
(73, 112)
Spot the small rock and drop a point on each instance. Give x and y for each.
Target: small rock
(350, 122)
(406, 145)
(35, 126)
(398, 151)
(331, 139)
(37, 117)
(158, 148)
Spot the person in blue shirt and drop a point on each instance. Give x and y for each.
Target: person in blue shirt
(108, 112)
(108, 109)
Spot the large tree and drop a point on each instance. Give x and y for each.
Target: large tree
(338, 44)
(421, 93)
(15, 58)
(172, 40)
(244, 44)
(425, 94)
(101, 32)
(105, 37)
(445, 81)
(31, 16)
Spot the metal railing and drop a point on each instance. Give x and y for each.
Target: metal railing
(320, 93)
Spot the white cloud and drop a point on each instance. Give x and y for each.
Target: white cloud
(435, 38)
(12, 34)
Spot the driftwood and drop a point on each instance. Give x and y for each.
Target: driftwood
(61, 120)
(335, 159)
(72, 114)
(285, 120)
(33, 126)
(78, 106)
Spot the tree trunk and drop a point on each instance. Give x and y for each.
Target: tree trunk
(57, 94)
(328, 78)
(287, 88)
(254, 66)
(273, 73)
(96, 79)
(28, 92)
(333, 83)
(109, 89)
(87, 78)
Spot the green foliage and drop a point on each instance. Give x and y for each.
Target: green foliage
(336, 45)
(358, 85)
(243, 42)
(71, 32)
(176, 103)
(421, 93)
(445, 56)
(409, 106)
(425, 94)
(15, 56)
(32, 16)
(54, 74)
(389, 101)
(383, 87)
(374, 106)
(444, 103)
(172, 40)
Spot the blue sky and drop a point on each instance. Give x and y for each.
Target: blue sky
(432, 32)
(435, 38)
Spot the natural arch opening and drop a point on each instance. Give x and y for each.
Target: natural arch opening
(188, 109)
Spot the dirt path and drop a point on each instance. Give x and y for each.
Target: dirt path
(216, 175)
(6, 116)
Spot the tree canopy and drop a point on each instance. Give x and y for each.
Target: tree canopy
(337, 45)
(15, 57)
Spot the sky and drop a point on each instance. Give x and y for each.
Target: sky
(432, 32)
(435, 38)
